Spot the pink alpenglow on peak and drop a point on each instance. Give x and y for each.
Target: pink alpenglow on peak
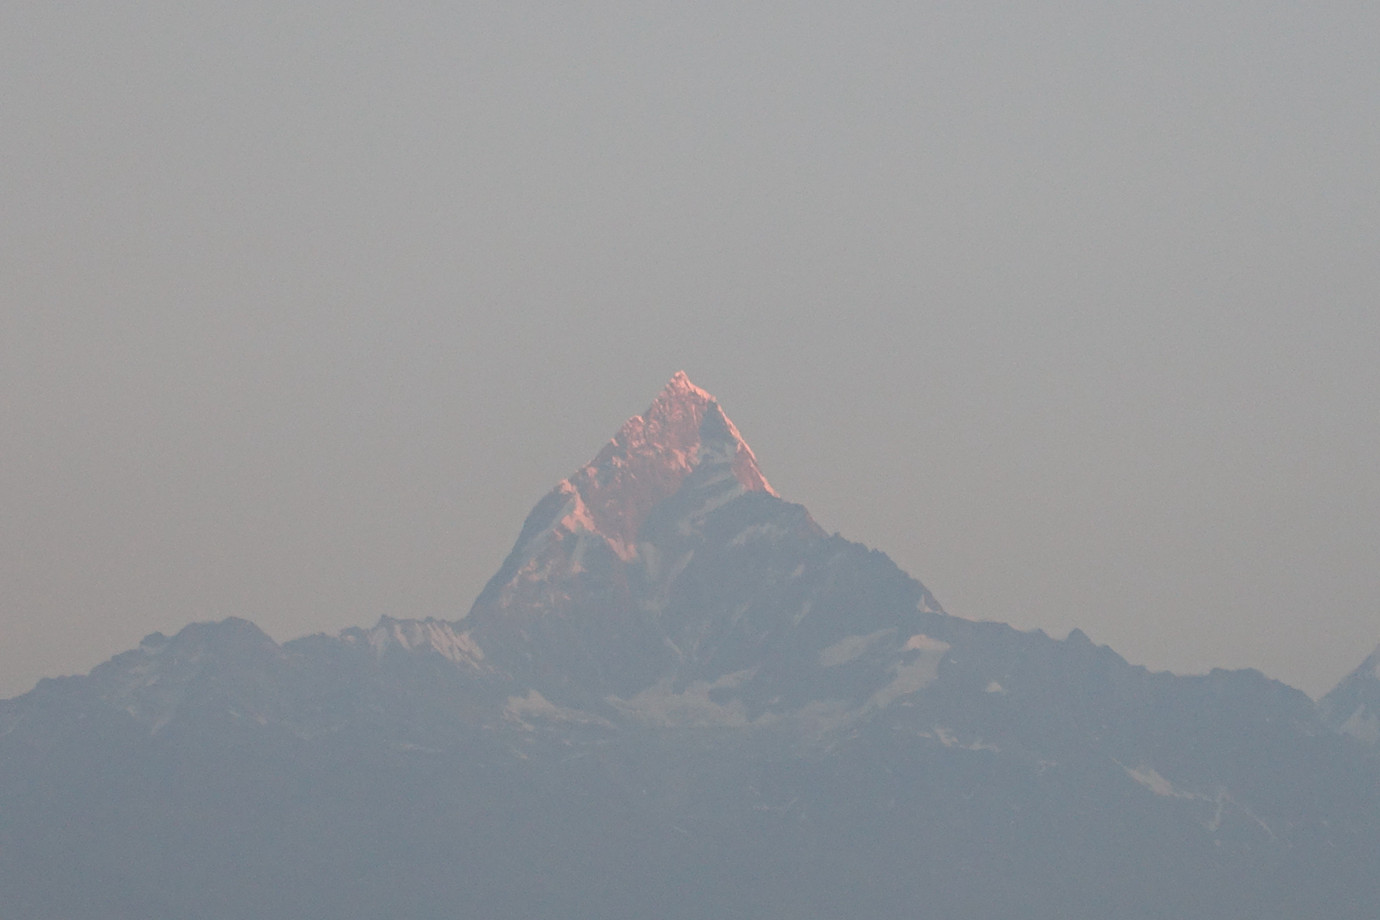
(602, 507)
(652, 454)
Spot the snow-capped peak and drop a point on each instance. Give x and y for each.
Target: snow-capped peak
(683, 432)
(680, 383)
(649, 458)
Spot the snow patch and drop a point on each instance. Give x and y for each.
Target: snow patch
(914, 675)
(922, 642)
(712, 502)
(520, 709)
(575, 516)
(660, 705)
(1150, 778)
(850, 647)
(421, 635)
(949, 740)
(760, 532)
(1362, 725)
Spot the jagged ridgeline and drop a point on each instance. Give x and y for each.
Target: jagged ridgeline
(680, 698)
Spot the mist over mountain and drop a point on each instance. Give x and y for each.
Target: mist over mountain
(680, 697)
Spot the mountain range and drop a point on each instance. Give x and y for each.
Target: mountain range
(679, 697)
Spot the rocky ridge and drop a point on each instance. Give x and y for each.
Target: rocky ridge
(680, 697)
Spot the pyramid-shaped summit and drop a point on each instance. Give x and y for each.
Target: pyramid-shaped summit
(595, 557)
(652, 455)
(683, 434)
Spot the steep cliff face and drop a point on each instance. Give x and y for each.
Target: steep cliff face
(602, 507)
(578, 605)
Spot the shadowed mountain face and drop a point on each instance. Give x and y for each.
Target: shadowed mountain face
(679, 698)
(1353, 706)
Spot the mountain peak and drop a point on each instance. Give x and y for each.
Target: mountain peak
(684, 439)
(651, 456)
(1353, 706)
(679, 383)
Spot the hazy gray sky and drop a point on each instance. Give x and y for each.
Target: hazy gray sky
(1071, 308)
